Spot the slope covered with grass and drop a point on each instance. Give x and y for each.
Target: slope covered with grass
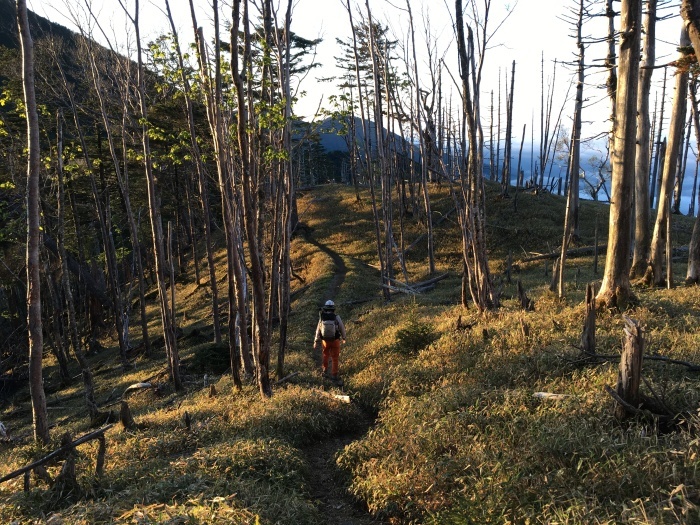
(443, 426)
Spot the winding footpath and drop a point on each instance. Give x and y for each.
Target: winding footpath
(329, 486)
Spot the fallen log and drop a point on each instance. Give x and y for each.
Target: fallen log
(573, 252)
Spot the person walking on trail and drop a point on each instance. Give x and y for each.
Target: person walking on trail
(329, 332)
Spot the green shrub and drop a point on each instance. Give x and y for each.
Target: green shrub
(415, 337)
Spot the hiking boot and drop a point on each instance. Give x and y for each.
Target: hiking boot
(337, 380)
(325, 374)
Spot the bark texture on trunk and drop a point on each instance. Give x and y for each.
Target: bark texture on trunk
(615, 288)
(641, 181)
(34, 324)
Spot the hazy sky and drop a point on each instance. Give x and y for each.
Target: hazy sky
(533, 27)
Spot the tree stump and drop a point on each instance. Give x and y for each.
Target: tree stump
(101, 451)
(525, 302)
(554, 283)
(524, 329)
(125, 417)
(588, 336)
(509, 267)
(629, 376)
(66, 481)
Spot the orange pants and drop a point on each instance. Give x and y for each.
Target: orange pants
(331, 349)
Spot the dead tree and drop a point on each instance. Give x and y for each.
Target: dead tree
(641, 179)
(367, 147)
(693, 272)
(615, 288)
(660, 149)
(654, 274)
(507, 149)
(426, 150)
(470, 203)
(690, 11)
(680, 172)
(249, 200)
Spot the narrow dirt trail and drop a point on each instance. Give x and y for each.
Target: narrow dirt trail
(328, 484)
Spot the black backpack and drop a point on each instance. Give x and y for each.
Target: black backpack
(329, 325)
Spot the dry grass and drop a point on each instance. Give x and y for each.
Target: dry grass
(459, 437)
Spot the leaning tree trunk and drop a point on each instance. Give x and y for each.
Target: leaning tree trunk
(654, 273)
(641, 180)
(615, 288)
(571, 217)
(690, 11)
(36, 340)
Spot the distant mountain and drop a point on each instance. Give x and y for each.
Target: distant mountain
(39, 26)
(333, 133)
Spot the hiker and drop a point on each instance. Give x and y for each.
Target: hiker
(329, 332)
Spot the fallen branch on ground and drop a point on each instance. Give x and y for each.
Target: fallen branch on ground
(636, 410)
(57, 453)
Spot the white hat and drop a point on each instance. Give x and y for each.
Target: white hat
(329, 304)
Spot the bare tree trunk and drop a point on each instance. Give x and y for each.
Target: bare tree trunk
(168, 322)
(67, 292)
(693, 272)
(654, 273)
(472, 205)
(368, 154)
(641, 184)
(201, 180)
(659, 153)
(36, 340)
(249, 205)
(103, 215)
(425, 155)
(571, 216)
(690, 11)
(575, 158)
(615, 288)
(680, 173)
(505, 176)
(588, 336)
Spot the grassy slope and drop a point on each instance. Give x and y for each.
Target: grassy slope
(459, 437)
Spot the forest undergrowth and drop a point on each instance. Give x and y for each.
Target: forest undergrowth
(443, 424)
